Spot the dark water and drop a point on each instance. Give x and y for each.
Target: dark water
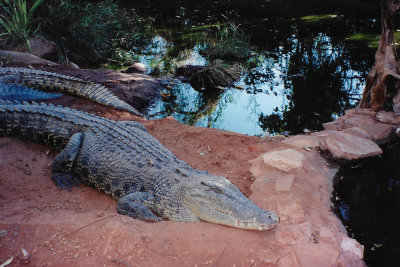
(308, 65)
(367, 200)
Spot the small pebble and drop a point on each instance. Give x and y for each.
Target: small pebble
(3, 233)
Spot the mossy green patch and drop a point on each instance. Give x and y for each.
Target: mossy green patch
(318, 18)
(369, 40)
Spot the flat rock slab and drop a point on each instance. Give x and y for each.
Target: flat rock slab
(388, 117)
(380, 132)
(284, 183)
(301, 141)
(357, 132)
(284, 160)
(347, 146)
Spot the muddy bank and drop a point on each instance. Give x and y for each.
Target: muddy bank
(82, 227)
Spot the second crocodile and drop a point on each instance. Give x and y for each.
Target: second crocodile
(62, 83)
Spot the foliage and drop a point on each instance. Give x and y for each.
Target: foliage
(231, 43)
(90, 32)
(16, 21)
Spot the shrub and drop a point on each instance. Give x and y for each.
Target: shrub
(89, 32)
(16, 21)
(231, 43)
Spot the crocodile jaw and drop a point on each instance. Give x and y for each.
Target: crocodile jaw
(218, 201)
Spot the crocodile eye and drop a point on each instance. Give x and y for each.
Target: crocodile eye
(212, 187)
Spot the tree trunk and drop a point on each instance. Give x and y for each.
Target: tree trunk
(383, 81)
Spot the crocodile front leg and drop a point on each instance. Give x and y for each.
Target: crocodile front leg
(62, 164)
(135, 205)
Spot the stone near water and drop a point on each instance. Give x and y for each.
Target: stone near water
(347, 146)
(322, 254)
(360, 111)
(380, 132)
(351, 245)
(388, 117)
(284, 160)
(136, 68)
(301, 141)
(357, 132)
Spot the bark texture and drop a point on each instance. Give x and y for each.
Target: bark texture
(383, 81)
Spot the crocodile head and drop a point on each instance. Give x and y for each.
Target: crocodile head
(217, 200)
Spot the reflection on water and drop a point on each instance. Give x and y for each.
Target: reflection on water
(367, 200)
(304, 71)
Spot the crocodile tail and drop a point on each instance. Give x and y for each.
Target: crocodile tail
(38, 122)
(75, 86)
(21, 92)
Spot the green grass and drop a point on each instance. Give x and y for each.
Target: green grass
(16, 21)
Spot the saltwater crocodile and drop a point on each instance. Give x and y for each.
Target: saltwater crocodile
(63, 83)
(123, 160)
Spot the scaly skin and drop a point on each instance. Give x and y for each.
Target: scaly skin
(63, 83)
(123, 160)
(21, 92)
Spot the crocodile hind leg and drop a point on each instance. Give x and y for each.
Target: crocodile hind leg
(135, 206)
(62, 164)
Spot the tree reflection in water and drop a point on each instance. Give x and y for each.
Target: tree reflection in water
(304, 70)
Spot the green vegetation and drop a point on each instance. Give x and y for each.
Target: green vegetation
(16, 21)
(86, 32)
(369, 40)
(318, 18)
(91, 33)
(231, 43)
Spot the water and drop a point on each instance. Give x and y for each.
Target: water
(367, 200)
(308, 62)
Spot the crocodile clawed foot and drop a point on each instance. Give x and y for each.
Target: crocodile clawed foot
(134, 206)
(64, 180)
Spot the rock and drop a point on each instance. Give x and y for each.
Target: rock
(289, 260)
(136, 68)
(290, 210)
(358, 121)
(40, 47)
(324, 133)
(357, 132)
(294, 234)
(360, 111)
(25, 58)
(284, 160)
(73, 65)
(43, 48)
(284, 183)
(380, 132)
(388, 117)
(322, 254)
(301, 141)
(351, 245)
(3, 233)
(347, 146)
(336, 125)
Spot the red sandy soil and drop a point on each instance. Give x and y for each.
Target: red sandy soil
(82, 228)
